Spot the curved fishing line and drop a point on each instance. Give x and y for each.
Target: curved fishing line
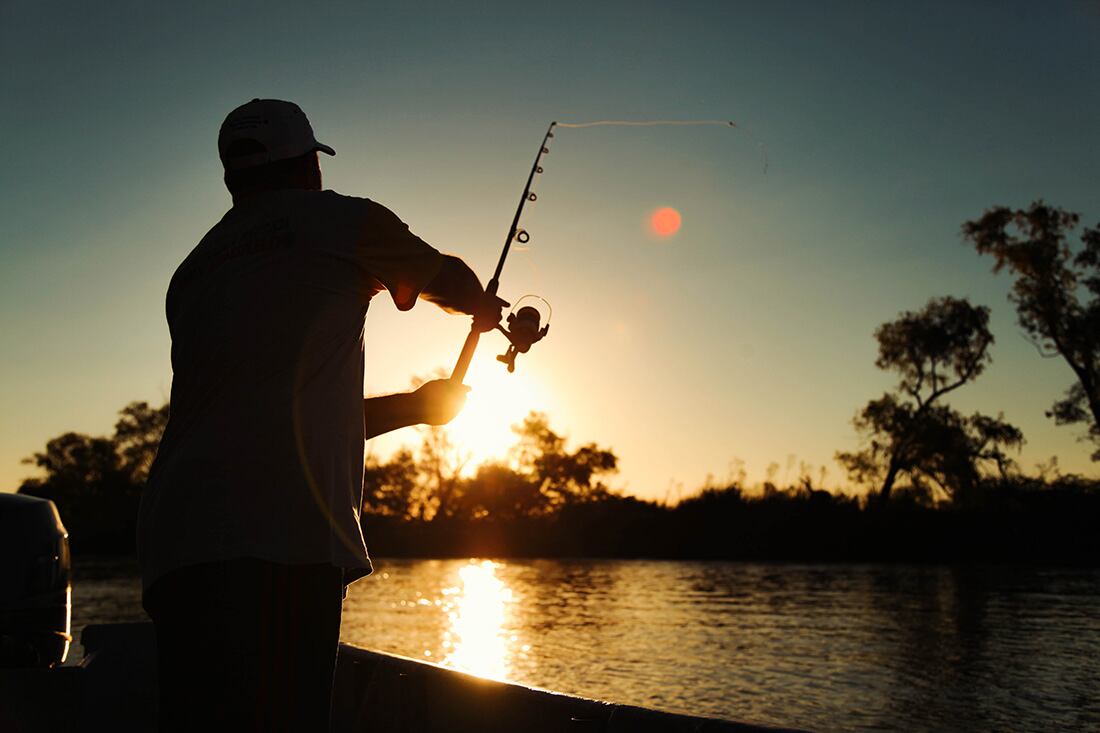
(645, 123)
(668, 123)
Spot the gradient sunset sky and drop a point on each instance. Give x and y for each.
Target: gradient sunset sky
(746, 336)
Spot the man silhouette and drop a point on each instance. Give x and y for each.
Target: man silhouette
(249, 525)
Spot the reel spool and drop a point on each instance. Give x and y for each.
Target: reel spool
(524, 328)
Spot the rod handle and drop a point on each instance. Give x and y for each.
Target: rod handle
(466, 356)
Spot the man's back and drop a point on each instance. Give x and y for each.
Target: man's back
(263, 452)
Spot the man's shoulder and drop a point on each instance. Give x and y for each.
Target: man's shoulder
(353, 205)
(355, 210)
(335, 198)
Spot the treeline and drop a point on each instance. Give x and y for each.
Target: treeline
(1025, 522)
(550, 500)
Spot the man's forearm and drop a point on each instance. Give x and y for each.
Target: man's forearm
(456, 288)
(390, 412)
(432, 403)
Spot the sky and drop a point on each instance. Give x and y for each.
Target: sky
(867, 134)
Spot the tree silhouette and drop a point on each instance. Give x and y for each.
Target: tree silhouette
(550, 500)
(564, 477)
(1056, 294)
(911, 432)
(392, 488)
(544, 477)
(440, 463)
(76, 465)
(500, 492)
(96, 482)
(137, 435)
(86, 479)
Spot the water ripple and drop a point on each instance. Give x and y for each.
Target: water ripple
(823, 647)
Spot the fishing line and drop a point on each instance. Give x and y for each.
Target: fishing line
(645, 123)
(668, 123)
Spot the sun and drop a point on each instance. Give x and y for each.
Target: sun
(498, 400)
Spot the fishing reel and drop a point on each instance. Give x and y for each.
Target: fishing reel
(524, 328)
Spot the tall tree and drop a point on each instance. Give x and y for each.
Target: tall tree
(563, 476)
(393, 488)
(1056, 293)
(96, 482)
(85, 478)
(137, 436)
(441, 464)
(76, 465)
(910, 432)
(499, 492)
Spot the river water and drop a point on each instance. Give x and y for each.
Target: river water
(820, 647)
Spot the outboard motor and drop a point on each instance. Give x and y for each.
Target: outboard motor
(35, 583)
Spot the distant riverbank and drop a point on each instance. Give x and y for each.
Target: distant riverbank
(1039, 527)
(1011, 525)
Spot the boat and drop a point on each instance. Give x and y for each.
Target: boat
(114, 688)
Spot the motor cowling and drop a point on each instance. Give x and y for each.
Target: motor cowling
(35, 583)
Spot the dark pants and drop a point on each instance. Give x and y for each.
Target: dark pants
(246, 645)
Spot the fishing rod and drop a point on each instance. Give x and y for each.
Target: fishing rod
(524, 322)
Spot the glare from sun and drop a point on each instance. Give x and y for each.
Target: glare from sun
(664, 222)
(497, 401)
(476, 635)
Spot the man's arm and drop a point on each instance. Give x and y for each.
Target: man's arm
(457, 289)
(433, 403)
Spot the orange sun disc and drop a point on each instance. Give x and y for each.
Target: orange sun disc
(664, 222)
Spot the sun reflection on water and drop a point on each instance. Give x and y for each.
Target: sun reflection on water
(477, 640)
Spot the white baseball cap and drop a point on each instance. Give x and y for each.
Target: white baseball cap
(274, 129)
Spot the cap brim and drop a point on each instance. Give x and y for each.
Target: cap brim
(325, 148)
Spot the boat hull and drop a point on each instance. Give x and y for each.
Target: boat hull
(115, 688)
